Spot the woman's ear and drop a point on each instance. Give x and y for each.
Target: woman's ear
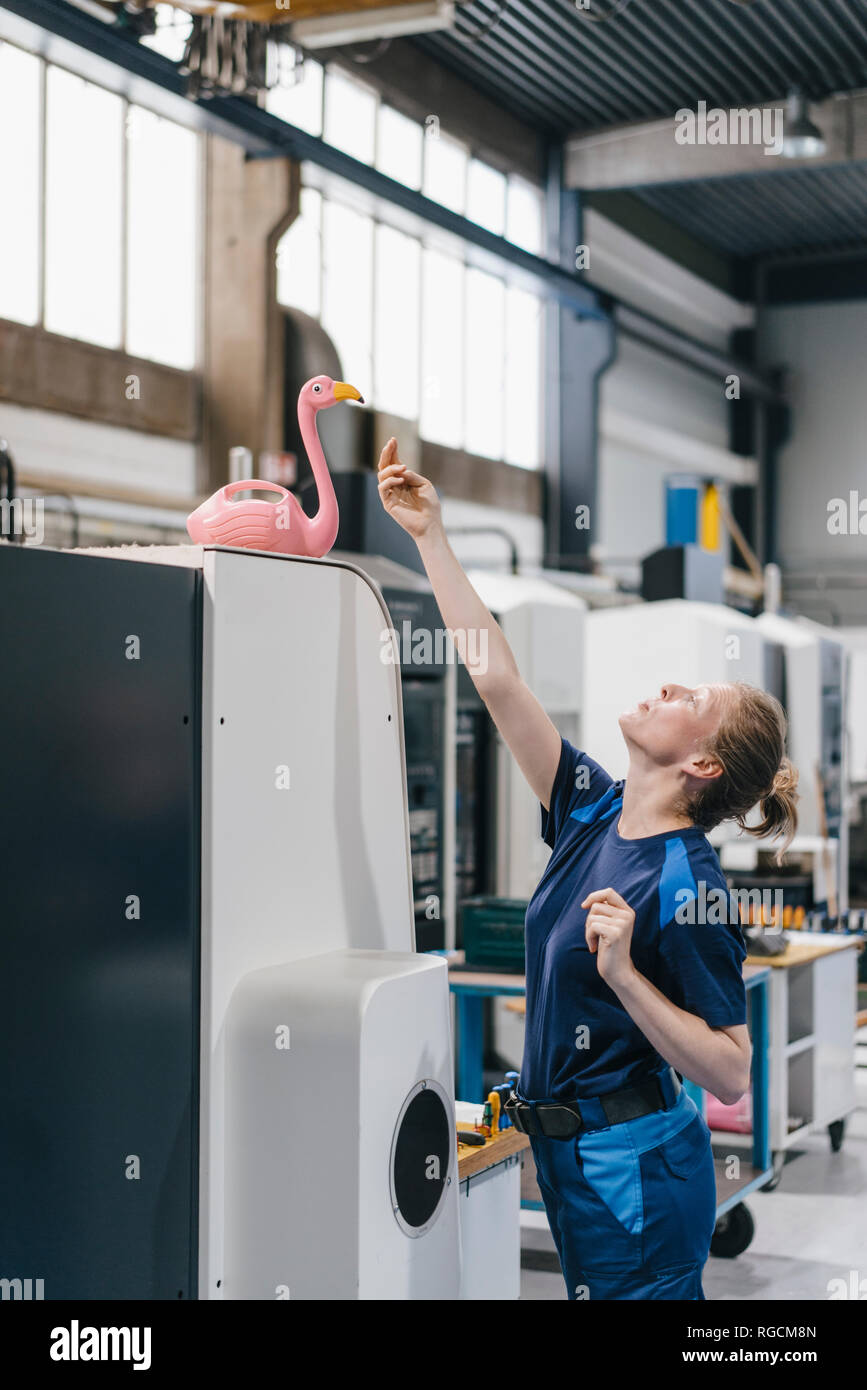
(703, 766)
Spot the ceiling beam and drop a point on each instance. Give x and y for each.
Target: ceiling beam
(633, 156)
(727, 273)
(272, 12)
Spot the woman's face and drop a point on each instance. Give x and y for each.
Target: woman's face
(673, 726)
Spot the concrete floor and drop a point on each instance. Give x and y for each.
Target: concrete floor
(811, 1229)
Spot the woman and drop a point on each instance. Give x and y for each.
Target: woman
(627, 988)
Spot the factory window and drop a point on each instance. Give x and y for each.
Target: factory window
(299, 256)
(399, 143)
(20, 140)
(445, 170)
(425, 334)
(162, 171)
(485, 323)
(350, 117)
(397, 280)
(441, 417)
(486, 196)
(83, 210)
(108, 253)
(524, 215)
(299, 99)
(347, 287)
(522, 383)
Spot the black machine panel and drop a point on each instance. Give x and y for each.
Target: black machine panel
(99, 929)
(423, 652)
(423, 718)
(832, 734)
(475, 811)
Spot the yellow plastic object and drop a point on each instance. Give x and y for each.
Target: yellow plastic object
(271, 12)
(710, 518)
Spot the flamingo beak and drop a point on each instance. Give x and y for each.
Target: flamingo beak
(344, 392)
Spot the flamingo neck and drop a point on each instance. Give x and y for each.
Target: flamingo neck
(315, 454)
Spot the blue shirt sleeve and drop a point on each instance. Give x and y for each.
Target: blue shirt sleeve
(579, 781)
(700, 968)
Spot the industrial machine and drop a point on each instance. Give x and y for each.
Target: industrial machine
(500, 853)
(427, 661)
(499, 846)
(227, 1073)
(630, 652)
(816, 680)
(815, 685)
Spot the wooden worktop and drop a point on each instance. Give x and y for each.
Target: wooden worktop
(812, 947)
(473, 1159)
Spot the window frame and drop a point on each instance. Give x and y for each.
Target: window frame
(429, 241)
(199, 205)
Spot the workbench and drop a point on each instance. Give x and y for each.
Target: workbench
(811, 1008)
(489, 1208)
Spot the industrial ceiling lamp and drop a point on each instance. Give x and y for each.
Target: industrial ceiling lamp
(359, 24)
(802, 139)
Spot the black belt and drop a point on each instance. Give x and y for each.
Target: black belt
(563, 1120)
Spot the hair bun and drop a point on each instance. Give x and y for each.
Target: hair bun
(785, 778)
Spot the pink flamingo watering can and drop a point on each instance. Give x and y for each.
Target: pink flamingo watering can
(280, 526)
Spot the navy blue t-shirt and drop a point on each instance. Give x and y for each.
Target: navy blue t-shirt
(580, 1040)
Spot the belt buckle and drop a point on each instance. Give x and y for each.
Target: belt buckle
(513, 1109)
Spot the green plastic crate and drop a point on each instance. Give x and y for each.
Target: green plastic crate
(492, 931)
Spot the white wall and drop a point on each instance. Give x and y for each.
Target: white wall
(45, 443)
(823, 345)
(648, 280)
(678, 418)
(656, 417)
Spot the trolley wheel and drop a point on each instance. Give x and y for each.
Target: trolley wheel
(836, 1130)
(733, 1232)
(779, 1163)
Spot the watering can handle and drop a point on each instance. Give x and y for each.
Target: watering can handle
(253, 485)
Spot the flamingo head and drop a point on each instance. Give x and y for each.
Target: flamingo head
(321, 391)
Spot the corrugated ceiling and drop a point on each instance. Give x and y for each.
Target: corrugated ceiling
(747, 214)
(562, 74)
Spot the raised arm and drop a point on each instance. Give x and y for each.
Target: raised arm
(531, 737)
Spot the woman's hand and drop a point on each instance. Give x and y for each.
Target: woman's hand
(608, 930)
(407, 497)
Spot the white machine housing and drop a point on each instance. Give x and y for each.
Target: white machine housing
(802, 642)
(322, 1056)
(307, 921)
(544, 626)
(816, 663)
(630, 652)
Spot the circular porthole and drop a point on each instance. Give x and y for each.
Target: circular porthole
(422, 1149)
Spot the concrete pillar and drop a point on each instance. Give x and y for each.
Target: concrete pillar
(249, 204)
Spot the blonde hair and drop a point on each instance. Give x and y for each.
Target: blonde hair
(750, 746)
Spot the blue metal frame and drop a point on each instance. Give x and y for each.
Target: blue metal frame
(578, 350)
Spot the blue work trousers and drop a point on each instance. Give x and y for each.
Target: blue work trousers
(632, 1208)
